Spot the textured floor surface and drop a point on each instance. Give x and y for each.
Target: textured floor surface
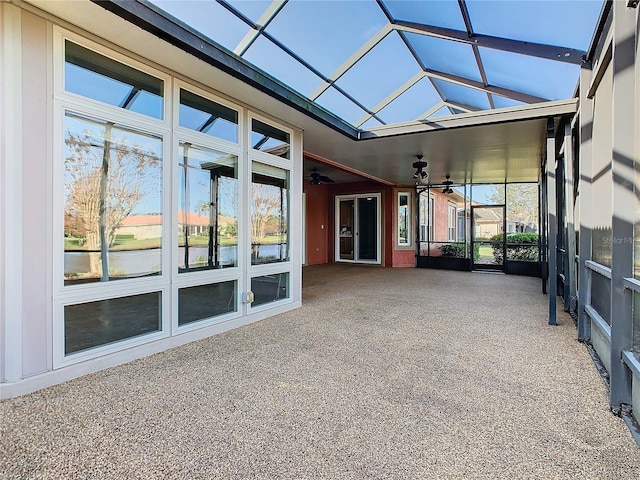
(383, 373)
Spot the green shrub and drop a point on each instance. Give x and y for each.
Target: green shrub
(520, 246)
(458, 250)
(452, 250)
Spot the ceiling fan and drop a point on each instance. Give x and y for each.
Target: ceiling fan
(447, 185)
(317, 179)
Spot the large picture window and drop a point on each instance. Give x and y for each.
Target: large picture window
(170, 205)
(113, 201)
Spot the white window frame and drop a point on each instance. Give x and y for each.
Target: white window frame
(206, 277)
(287, 164)
(169, 281)
(408, 241)
(338, 198)
(75, 294)
(431, 204)
(452, 221)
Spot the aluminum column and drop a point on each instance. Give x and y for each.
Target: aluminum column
(585, 200)
(552, 221)
(622, 169)
(569, 204)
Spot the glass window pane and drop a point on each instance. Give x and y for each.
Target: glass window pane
(503, 102)
(399, 66)
(270, 139)
(339, 105)
(275, 61)
(269, 214)
(464, 96)
(404, 219)
(452, 221)
(208, 212)
(412, 104)
(113, 201)
(550, 23)
(209, 18)
(95, 76)
(207, 116)
(442, 112)
(445, 56)
(371, 123)
(206, 301)
(535, 76)
(251, 9)
(270, 288)
(93, 324)
(337, 31)
(442, 14)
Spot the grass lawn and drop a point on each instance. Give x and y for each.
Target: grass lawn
(71, 243)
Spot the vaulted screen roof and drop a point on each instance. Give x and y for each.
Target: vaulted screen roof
(374, 63)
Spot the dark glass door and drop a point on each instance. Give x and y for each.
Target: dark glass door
(346, 230)
(367, 232)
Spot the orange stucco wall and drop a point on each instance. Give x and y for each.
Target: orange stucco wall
(320, 221)
(317, 226)
(402, 255)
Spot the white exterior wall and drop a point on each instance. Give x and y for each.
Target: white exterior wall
(31, 299)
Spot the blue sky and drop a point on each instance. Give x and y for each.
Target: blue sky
(326, 33)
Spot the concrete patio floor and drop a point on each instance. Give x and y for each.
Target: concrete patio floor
(383, 373)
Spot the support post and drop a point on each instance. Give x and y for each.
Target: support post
(552, 221)
(622, 170)
(569, 204)
(585, 201)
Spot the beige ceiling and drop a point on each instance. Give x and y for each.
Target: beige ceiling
(503, 145)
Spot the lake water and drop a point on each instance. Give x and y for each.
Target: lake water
(144, 262)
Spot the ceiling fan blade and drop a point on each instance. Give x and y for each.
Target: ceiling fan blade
(325, 179)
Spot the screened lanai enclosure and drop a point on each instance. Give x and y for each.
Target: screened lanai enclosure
(185, 159)
(480, 227)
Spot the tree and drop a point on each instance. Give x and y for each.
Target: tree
(265, 205)
(522, 202)
(104, 180)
